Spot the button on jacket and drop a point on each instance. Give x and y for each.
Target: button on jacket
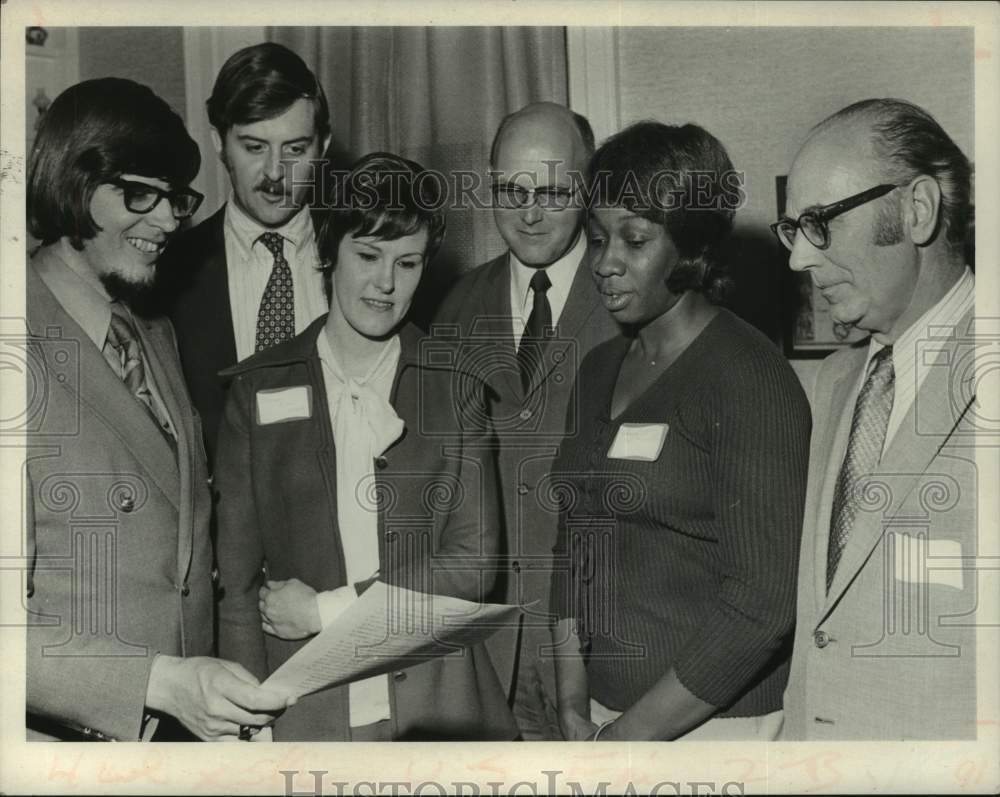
(117, 530)
(438, 528)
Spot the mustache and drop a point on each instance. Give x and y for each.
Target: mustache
(271, 186)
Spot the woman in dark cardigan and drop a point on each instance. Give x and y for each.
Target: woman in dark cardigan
(342, 459)
(681, 493)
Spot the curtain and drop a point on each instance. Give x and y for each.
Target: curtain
(205, 50)
(435, 95)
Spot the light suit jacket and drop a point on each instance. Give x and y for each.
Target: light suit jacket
(117, 530)
(890, 652)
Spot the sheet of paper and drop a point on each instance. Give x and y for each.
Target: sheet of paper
(388, 628)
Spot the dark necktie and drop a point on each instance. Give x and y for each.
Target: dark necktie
(124, 352)
(276, 316)
(537, 331)
(864, 450)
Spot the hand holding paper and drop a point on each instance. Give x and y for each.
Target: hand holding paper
(387, 628)
(288, 609)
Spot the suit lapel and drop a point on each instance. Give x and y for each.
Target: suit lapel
(160, 353)
(831, 439)
(217, 313)
(927, 426)
(105, 395)
(497, 316)
(580, 305)
(326, 450)
(200, 307)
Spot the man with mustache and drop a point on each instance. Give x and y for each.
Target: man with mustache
(247, 277)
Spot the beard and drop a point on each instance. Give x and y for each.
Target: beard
(141, 297)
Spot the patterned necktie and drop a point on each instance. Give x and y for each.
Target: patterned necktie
(864, 450)
(536, 331)
(276, 316)
(124, 352)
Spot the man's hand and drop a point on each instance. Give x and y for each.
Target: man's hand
(288, 609)
(574, 726)
(211, 697)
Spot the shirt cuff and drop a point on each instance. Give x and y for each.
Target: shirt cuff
(265, 734)
(331, 603)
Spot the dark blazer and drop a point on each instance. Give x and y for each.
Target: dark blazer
(193, 272)
(117, 529)
(438, 529)
(529, 425)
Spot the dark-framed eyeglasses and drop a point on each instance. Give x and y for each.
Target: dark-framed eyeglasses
(814, 223)
(512, 197)
(143, 197)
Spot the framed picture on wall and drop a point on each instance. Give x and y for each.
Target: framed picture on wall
(809, 330)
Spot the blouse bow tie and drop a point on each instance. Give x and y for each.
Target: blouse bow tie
(366, 417)
(365, 423)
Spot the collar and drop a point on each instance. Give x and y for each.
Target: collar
(298, 230)
(561, 273)
(389, 354)
(949, 309)
(303, 347)
(77, 290)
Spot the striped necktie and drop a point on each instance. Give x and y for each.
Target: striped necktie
(864, 450)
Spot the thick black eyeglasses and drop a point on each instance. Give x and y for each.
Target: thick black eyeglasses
(814, 223)
(512, 197)
(143, 197)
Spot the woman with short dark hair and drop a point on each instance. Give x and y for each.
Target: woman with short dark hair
(345, 457)
(681, 495)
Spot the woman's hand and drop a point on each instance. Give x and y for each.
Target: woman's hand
(288, 609)
(574, 726)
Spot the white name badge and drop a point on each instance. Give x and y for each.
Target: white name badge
(283, 404)
(936, 561)
(640, 441)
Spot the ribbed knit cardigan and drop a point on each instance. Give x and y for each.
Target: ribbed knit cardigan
(688, 561)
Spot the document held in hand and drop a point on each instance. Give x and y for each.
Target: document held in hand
(388, 628)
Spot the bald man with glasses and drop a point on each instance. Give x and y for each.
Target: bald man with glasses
(526, 320)
(879, 206)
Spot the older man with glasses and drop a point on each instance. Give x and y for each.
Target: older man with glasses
(526, 319)
(879, 206)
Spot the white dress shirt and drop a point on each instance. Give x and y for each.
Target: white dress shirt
(249, 265)
(561, 274)
(907, 353)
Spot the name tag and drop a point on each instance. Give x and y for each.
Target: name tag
(284, 404)
(936, 561)
(639, 441)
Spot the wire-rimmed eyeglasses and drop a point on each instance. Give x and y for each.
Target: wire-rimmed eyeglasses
(511, 196)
